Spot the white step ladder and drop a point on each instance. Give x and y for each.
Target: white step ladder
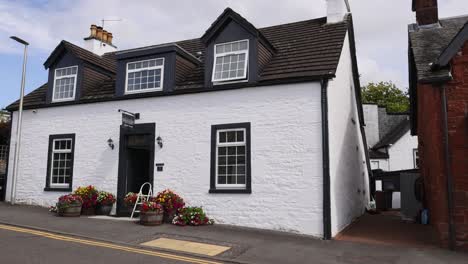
(142, 197)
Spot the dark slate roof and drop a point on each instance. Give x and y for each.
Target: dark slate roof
(427, 44)
(105, 62)
(376, 154)
(394, 135)
(304, 51)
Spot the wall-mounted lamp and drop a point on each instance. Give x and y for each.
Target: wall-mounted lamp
(159, 141)
(110, 142)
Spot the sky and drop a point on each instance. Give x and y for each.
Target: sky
(380, 29)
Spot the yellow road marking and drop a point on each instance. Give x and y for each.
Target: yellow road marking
(107, 245)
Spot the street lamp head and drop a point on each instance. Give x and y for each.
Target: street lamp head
(19, 40)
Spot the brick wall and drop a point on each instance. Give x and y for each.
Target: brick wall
(431, 149)
(457, 96)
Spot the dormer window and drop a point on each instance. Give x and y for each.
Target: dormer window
(144, 76)
(65, 84)
(230, 61)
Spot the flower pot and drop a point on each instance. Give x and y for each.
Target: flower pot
(88, 211)
(70, 211)
(104, 209)
(169, 216)
(151, 218)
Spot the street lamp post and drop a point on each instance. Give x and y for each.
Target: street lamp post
(20, 119)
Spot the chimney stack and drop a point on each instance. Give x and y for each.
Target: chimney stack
(99, 41)
(427, 12)
(336, 10)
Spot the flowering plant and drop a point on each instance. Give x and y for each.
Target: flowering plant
(105, 198)
(192, 216)
(149, 206)
(130, 199)
(68, 200)
(88, 194)
(169, 200)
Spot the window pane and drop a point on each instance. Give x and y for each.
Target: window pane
(240, 136)
(241, 170)
(221, 170)
(219, 48)
(222, 160)
(231, 136)
(231, 159)
(241, 159)
(222, 151)
(231, 180)
(221, 180)
(222, 137)
(241, 150)
(231, 170)
(231, 150)
(243, 45)
(240, 179)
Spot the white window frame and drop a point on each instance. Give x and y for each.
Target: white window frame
(54, 151)
(62, 77)
(246, 62)
(127, 71)
(230, 144)
(375, 162)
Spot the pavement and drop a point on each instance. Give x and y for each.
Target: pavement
(388, 228)
(246, 245)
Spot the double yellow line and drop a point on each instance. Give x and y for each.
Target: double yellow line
(107, 245)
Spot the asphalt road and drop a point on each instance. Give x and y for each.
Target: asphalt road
(40, 247)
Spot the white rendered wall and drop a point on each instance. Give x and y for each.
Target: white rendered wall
(286, 151)
(371, 118)
(98, 47)
(348, 168)
(383, 164)
(401, 153)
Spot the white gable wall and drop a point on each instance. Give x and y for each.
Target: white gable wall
(286, 151)
(348, 168)
(401, 153)
(371, 119)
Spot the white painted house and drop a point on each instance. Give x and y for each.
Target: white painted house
(261, 127)
(392, 147)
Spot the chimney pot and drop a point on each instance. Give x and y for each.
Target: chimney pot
(93, 31)
(109, 38)
(427, 12)
(104, 36)
(99, 33)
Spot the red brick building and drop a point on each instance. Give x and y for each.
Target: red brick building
(438, 72)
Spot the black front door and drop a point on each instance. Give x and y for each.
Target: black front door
(136, 161)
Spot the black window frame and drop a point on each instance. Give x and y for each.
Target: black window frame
(248, 180)
(49, 162)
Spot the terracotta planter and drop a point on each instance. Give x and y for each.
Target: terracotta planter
(71, 211)
(169, 216)
(88, 211)
(104, 209)
(151, 218)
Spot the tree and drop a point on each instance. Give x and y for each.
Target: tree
(4, 128)
(386, 94)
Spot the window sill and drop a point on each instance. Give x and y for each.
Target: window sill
(49, 189)
(247, 191)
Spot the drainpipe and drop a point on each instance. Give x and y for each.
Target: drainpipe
(327, 233)
(448, 172)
